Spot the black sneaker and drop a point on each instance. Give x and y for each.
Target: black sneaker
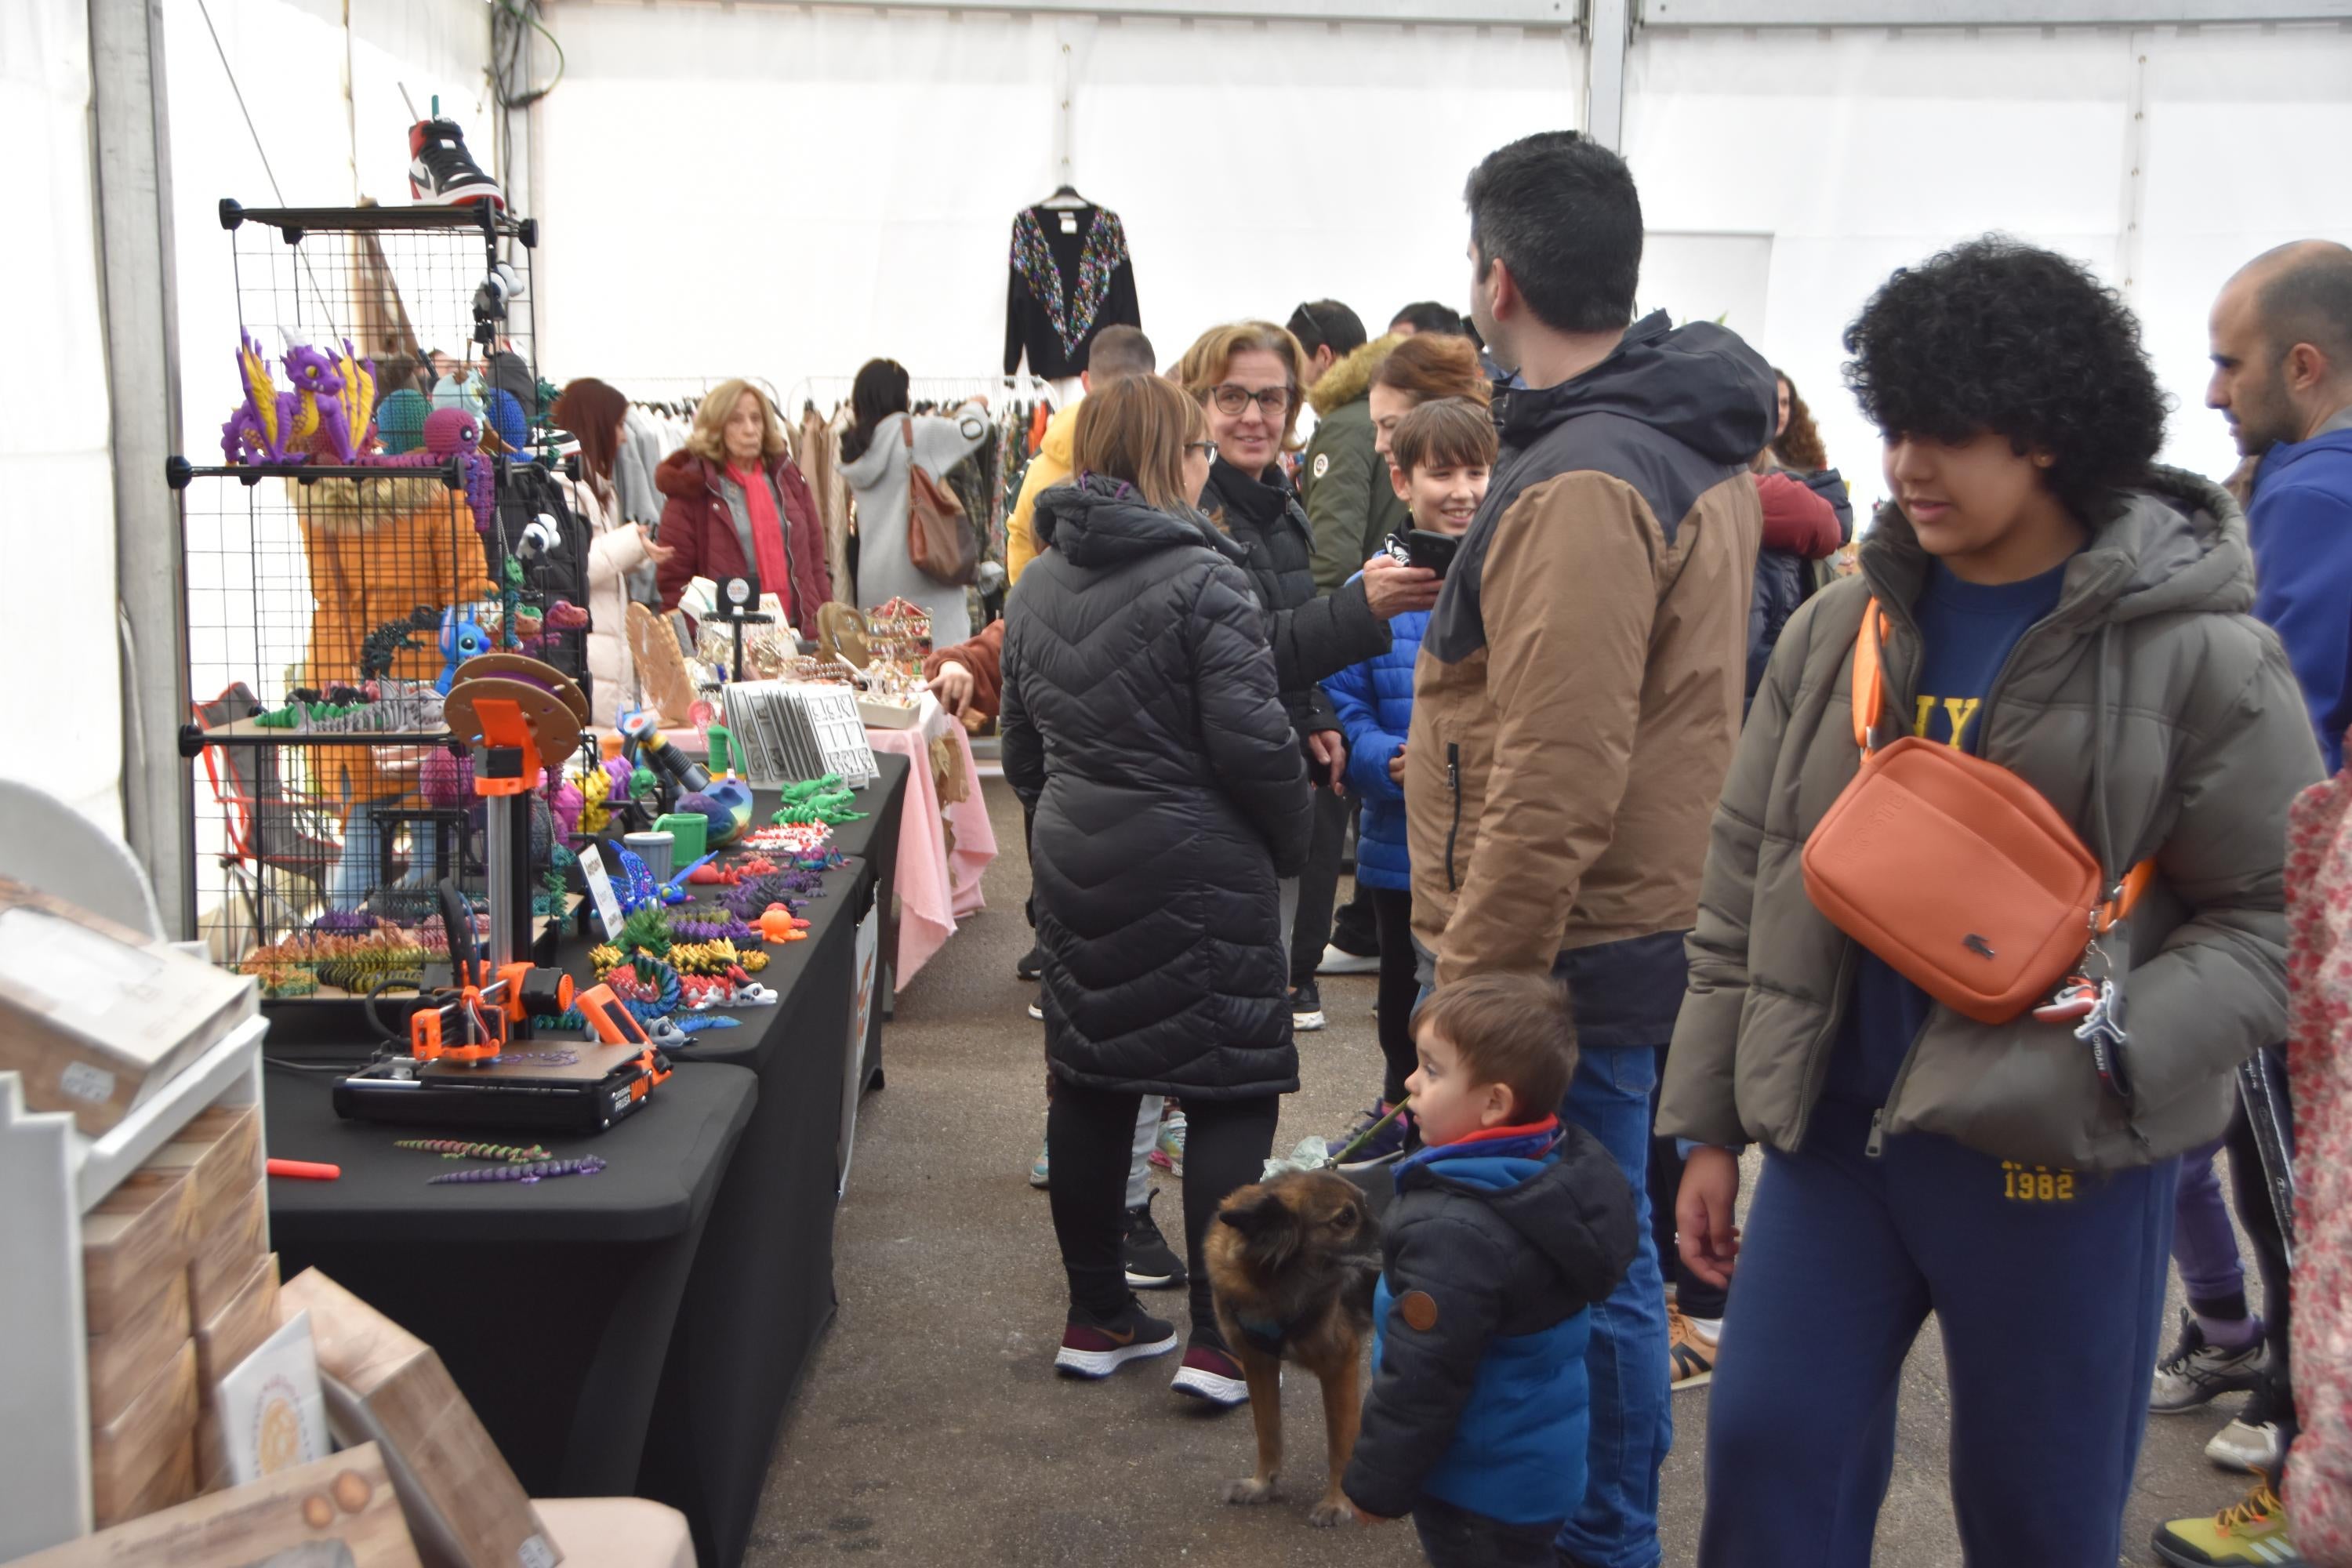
(1151, 1264)
(1032, 965)
(1097, 1347)
(1306, 1008)
(441, 171)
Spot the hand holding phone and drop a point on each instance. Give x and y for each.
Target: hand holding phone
(1424, 548)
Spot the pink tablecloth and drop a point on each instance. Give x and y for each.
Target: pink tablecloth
(936, 884)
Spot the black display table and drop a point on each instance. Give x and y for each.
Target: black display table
(548, 1303)
(875, 840)
(639, 1332)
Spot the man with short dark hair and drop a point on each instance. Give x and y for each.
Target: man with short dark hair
(1328, 331)
(1117, 351)
(1578, 696)
(1427, 316)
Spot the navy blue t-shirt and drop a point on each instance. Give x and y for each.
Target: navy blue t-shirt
(1966, 631)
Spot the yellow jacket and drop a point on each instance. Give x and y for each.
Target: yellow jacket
(1051, 466)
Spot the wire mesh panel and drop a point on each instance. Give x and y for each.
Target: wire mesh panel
(372, 520)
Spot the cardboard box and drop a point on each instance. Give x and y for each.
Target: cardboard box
(225, 1256)
(236, 1331)
(345, 1497)
(220, 1153)
(174, 1484)
(95, 1016)
(386, 1387)
(126, 1359)
(126, 1453)
(139, 1235)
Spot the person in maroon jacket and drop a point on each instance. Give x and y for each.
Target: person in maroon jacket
(735, 504)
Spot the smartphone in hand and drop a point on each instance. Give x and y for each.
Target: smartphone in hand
(1424, 548)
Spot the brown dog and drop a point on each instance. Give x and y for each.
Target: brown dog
(1292, 1263)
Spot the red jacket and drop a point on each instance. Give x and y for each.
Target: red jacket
(1796, 519)
(699, 530)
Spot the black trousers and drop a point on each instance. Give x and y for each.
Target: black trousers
(1400, 988)
(1453, 1537)
(1697, 1298)
(1318, 886)
(2260, 1216)
(1353, 929)
(1092, 1134)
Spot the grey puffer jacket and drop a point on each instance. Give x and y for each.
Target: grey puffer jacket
(2205, 744)
(1140, 719)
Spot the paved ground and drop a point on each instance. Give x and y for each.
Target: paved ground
(932, 1431)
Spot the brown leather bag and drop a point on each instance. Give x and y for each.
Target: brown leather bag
(940, 539)
(1953, 869)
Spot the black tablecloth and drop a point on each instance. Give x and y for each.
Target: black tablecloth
(761, 1290)
(875, 840)
(548, 1303)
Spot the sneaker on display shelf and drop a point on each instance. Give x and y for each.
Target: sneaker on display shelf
(1338, 960)
(440, 170)
(1151, 1264)
(2196, 1371)
(1306, 1008)
(1093, 1347)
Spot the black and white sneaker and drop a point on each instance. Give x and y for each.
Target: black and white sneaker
(2197, 1373)
(1152, 1263)
(441, 171)
(1037, 1007)
(1032, 963)
(1306, 1008)
(1097, 1347)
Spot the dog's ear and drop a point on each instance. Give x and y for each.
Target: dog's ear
(1272, 1226)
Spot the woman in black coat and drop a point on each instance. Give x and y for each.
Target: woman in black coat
(1141, 719)
(1249, 379)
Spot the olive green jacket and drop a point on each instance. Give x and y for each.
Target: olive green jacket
(1350, 503)
(2151, 658)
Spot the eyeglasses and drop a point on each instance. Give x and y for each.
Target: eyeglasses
(1206, 448)
(1233, 398)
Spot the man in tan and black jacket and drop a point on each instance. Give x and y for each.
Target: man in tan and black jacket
(1578, 696)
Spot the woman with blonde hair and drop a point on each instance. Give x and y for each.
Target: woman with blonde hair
(735, 504)
(1247, 378)
(1143, 722)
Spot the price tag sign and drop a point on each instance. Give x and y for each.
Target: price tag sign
(600, 887)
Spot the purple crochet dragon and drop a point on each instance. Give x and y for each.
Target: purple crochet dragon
(328, 412)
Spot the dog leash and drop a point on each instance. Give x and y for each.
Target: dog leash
(1365, 1137)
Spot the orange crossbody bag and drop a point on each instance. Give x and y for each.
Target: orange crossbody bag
(1953, 869)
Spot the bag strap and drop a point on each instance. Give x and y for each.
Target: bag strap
(908, 430)
(1870, 704)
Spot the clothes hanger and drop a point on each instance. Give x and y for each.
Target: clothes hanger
(1065, 198)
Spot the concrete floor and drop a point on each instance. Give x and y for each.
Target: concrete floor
(932, 1429)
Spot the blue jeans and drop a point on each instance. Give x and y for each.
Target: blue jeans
(1633, 1422)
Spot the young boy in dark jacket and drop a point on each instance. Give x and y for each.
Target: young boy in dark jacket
(1506, 1228)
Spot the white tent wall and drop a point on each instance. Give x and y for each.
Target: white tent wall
(789, 192)
(1857, 152)
(290, 59)
(57, 644)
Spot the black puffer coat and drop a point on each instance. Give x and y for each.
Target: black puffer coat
(1140, 719)
(1313, 638)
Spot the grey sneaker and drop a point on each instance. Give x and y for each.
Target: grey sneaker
(2196, 1373)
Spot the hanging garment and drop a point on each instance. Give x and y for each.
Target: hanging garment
(820, 449)
(1071, 277)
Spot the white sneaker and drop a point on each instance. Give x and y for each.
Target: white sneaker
(2241, 1446)
(1037, 1008)
(2196, 1373)
(1338, 960)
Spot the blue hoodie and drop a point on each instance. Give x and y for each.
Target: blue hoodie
(1492, 1250)
(2300, 524)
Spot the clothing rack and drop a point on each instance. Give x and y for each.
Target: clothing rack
(677, 394)
(823, 391)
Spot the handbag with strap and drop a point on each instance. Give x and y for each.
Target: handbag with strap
(940, 539)
(1953, 869)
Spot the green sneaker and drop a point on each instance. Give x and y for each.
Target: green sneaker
(2254, 1532)
(1038, 1172)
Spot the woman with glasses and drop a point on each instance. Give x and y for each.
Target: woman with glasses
(1248, 378)
(1141, 721)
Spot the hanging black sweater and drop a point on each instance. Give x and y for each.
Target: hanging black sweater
(1066, 284)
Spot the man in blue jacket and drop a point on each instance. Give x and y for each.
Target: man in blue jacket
(2282, 338)
(2281, 345)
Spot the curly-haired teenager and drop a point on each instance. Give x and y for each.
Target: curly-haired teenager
(2063, 607)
